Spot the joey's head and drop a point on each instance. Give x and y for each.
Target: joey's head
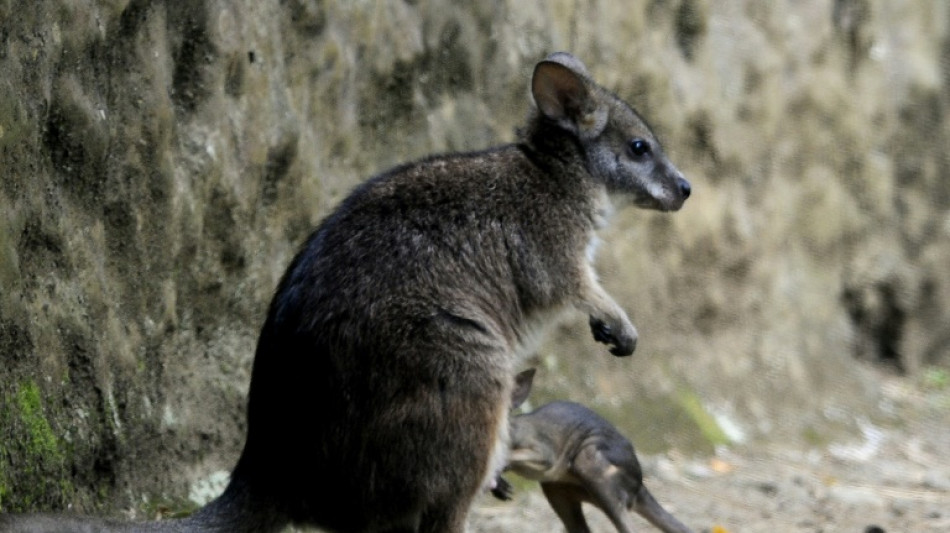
(526, 456)
(617, 145)
(523, 383)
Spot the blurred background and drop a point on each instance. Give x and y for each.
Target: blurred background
(163, 160)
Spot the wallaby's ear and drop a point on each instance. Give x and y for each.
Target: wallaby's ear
(522, 388)
(568, 61)
(560, 90)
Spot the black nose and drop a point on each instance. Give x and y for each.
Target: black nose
(685, 188)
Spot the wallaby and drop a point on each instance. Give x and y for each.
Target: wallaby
(577, 456)
(382, 379)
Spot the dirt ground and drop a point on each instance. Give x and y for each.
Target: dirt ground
(896, 478)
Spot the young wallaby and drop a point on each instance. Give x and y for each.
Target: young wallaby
(382, 380)
(577, 456)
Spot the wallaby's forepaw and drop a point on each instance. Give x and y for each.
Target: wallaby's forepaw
(501, 489)
(621, 343)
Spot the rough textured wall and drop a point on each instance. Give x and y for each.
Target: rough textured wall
(161, 162)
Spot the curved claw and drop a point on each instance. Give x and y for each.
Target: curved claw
(501, 489)
(603, 333)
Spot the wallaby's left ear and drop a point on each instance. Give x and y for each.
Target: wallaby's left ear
(523, 382)
(562, 95)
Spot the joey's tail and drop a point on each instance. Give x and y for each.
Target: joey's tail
(647, 507)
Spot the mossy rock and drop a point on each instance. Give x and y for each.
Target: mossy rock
(33, 459)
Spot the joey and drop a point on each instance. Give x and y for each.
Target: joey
(577, 457)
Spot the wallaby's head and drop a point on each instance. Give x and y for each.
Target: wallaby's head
(619, 147)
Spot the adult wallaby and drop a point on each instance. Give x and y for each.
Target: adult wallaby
(383, 374)
(578, 457)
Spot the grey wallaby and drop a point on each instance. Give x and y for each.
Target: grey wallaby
(578, 457)
(382, 380)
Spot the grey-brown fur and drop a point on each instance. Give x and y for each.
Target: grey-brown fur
(380, 389)
(578, 457)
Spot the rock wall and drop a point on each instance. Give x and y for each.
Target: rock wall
(162, 160)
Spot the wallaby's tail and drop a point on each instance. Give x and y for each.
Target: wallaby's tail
(235, 511)
(647, 507)
(64, 523)
(73, 523)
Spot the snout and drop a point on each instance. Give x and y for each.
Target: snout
(678, 193)
(684, 187)
(667, 191)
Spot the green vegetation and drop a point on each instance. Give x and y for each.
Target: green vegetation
(658, 424)
(936, 378)
(43, 444)
(3, 461)
(815, 437)
(36, 448)
(4, 453)
(690, 402)
(168, 508)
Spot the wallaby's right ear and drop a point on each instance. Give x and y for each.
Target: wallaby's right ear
(562, 95)
(522, 388)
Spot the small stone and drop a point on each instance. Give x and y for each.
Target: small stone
(936, 480)
(855, 496)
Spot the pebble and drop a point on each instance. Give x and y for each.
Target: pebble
(937, 480)
(855, 496)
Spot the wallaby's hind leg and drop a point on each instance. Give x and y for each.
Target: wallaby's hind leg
(446, 520)
(567, 504)
(439, 519)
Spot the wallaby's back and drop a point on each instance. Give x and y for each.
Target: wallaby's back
(399, 324)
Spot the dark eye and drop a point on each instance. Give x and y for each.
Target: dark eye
(639, 147)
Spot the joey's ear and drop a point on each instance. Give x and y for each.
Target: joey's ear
(522, 388)
(559, 92)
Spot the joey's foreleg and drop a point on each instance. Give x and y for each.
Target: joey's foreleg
(501, 488)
